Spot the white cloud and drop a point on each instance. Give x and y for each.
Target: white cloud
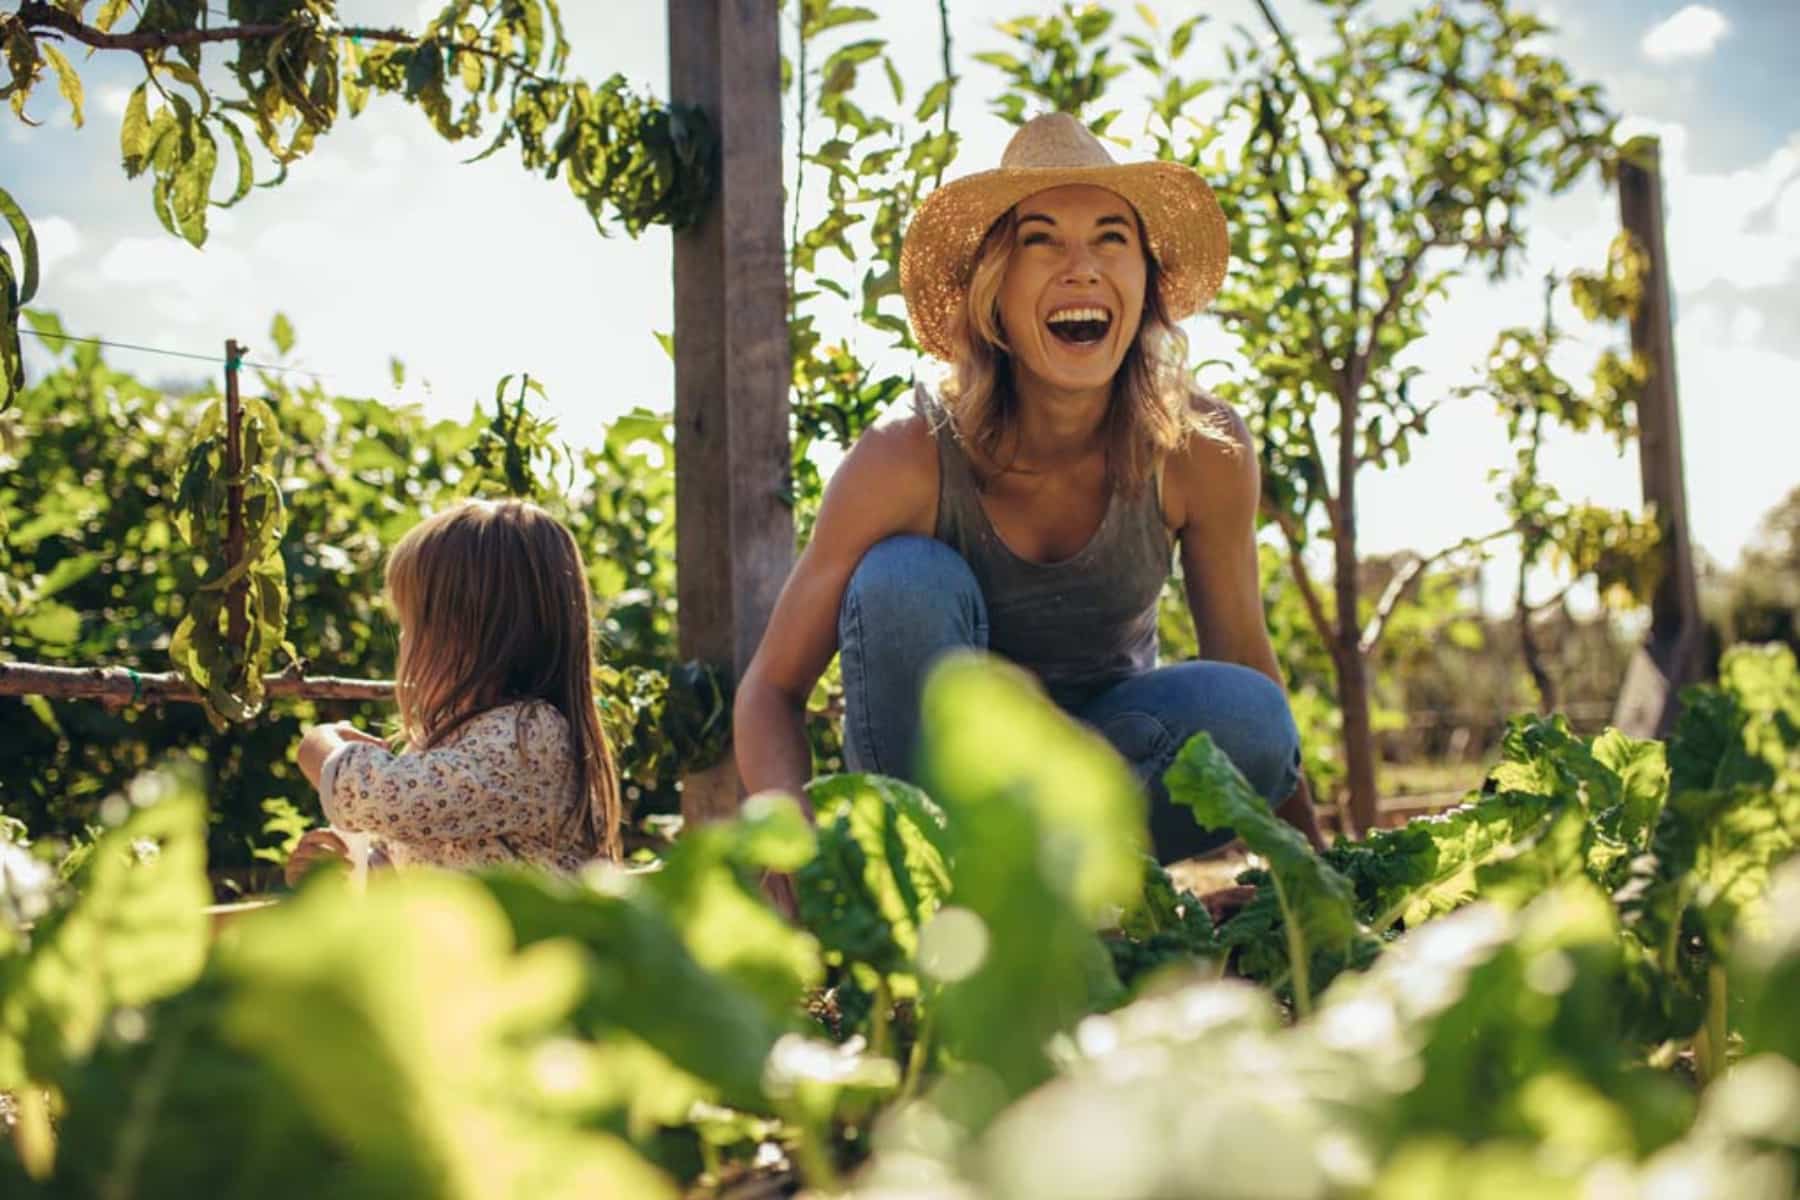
(112, 100)
(57, 241)
(1690, 33)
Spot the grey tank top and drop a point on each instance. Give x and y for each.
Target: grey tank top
(1081, 624)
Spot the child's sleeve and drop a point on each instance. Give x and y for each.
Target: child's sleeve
(476, 788)
(428, 796)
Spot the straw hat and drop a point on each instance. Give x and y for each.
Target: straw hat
(1182, 221)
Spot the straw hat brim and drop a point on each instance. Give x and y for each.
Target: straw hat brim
(1183, 224)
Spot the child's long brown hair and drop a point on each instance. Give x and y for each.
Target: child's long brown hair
(493, 607)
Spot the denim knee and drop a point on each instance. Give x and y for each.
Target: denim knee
(913, 588)
(909, 601)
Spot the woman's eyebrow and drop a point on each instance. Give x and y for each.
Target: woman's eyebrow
(1048, 220)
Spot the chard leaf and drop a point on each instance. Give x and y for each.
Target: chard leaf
(135, 930)
(880, 872)
(1047, 829)
(1428, 866)
(1318, 905)
(642, 981)
(427, 1050)
(1766, 971)
(708, 889)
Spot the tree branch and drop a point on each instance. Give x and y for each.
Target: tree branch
(37, 14)
(1312, 90)
(1404, 578)
(1396, 288)
(124, 686)
(1309, 594)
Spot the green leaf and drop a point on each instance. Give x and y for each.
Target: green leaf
(642, 980)
(246, 176)
(1047, 829)
(880, 872)
(992, 732)
(28, 250)
(1427, 866)
(1766, 970)
(281, 332)
(422, 1044)
(136, 930)
(109, 14)
(708, 888)
(67, 81)
(936, 96)
(51, 624)
(65, 574)
(1317, 904)
(134, 133)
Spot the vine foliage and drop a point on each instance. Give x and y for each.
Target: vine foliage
(480, 68)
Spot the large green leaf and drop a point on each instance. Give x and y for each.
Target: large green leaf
(421, 1044)
(642, 981)
(880, 872)
(135, 930)
(1766, 971)
(1317, 905)
(1047, 829)
(707, 887)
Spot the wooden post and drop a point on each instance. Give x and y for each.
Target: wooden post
(734, 526)
(1672, 652)
(237, 593)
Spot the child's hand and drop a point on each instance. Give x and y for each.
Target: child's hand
(778, 890)
(316, 846)
(319, 742)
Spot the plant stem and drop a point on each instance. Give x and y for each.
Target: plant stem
(33, 1137)
(880, 1022)
(1709, 1043)
(920, 1054)
(1296, 946)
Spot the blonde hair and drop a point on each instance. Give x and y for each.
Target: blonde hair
(1150, 414)
(493, 606)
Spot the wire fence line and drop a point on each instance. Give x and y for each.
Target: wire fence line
(215, 359)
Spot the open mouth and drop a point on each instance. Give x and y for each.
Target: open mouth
(1079, 326)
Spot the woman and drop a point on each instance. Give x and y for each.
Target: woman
(1033, 508)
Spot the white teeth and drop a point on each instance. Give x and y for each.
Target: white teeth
(1077, 314)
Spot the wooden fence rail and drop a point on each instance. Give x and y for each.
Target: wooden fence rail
(123, 685)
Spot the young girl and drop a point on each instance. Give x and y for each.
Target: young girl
(505, 759)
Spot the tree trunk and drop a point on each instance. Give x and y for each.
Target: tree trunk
(1534, 655)
(1347, 654)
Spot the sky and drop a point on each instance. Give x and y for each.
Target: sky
(383, 244)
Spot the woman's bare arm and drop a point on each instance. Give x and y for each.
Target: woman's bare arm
(885, 487)
(1212, 489)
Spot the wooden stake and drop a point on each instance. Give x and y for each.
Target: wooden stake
(237, 614)
(734, 527)
(1671, 656)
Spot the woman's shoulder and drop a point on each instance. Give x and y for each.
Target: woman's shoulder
(1215, 465)
(894, 465)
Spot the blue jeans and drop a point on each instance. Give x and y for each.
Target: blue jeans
(912, 599)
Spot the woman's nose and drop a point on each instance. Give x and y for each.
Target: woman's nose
(1081, 267)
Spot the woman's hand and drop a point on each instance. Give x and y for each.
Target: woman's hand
(316, 846)
(1227, 902)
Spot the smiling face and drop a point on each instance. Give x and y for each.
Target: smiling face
(1072, 294)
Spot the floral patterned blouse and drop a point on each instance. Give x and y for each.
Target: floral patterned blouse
(495, 791)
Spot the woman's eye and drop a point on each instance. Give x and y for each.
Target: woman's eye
(1035, 239)
(1114, 236)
